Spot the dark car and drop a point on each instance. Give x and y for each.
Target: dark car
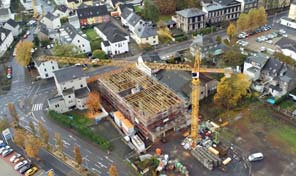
(25, 168)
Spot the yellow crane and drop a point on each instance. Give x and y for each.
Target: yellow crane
(196, 69)
(35, 13)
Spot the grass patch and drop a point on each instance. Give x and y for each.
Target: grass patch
(288, 105)
(287, 135)
(91, 34)
(81, 124)
(165, 17)
(138, 9)
(94, 39)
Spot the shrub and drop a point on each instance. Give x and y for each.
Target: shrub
(99, 54)
(181, 38)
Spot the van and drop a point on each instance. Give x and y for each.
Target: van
(255, 157)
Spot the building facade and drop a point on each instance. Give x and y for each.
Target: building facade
(6, 39)
(91, 15)
(13, 26)
(51, 21)
(190, 19)
(46, 69)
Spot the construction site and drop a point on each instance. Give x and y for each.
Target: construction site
(152, 107)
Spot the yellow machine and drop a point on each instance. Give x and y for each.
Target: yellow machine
(196, 69)
(35, 13)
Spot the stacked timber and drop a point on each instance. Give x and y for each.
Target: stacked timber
(208, 159)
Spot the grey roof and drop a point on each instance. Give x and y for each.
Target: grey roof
(106, 43)
(293, 2)
(123, 6)
(260, 59)
(5, 32)
(55, 99)
(112, 32)
(204, 41)
(50, 16)
(170, 22)
(43, 29)
(273, 67)
(68, 73)
(151, 57)
(62, 8)
(73, 18)
(191, 12)
(12, 23)
(126, 12)
(82, 93)
(286, 43)
(285, 78)
(4, 11)
(71, 31)
(226, 2)
(253, 69)
(92, 11)
(133, 19)
(145, 29)
(213, 7)
(68, 91)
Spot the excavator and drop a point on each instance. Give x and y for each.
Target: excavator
(196, 69)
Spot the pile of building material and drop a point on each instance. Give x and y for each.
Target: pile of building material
(207, 158)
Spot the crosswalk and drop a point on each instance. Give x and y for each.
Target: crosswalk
(37, 107)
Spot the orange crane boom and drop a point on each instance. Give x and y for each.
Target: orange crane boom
(196, 69)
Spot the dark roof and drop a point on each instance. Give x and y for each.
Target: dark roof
(56, 99)
(50, 16)
(12, 23)
(123, 6)
(68, 91)
(68, 73)
(92, 11)
(62, 8)
(126, 12)
(4, 11)
(191, 12)
(293, 2)
(151, 57)
(76, 1)
(286, 43)
(277, 88)
(71, 31)
(114, 2)
(145, 29)
(106, 43)
(273, 67)
(82, 93)
(134, 19)
(6, 32)
(112, 32)
(170, 22)
(226, 2)
(43, 29)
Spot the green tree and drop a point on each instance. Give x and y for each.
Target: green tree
(44, 42)
(36, 41)
(113, 171)
(233, 58)
(4, 124)
(67, 50)
(64, 20)
(43, 133)
(262, 16)
(231, 90)
(218, 39)
(77, 155)
(253, 15)
(150, 11)
(99, 54)
(243, 22)
(23, 52)
(32, 127)
(166, 7)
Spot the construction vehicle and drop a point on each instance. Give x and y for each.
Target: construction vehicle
(196, 69)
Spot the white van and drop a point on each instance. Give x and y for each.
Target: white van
(255, 157)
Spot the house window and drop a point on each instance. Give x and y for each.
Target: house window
(53, 67)
(45, 70)
(57, 105)
(78, 41)
(81, 85)
(69, 96)
(82, 45)
(46, 75)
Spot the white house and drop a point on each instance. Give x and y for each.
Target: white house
(6, 39)
(72, 90)
(5, 3)
(143, 32)
(74, 21)
(13, 26)
(253, 66)
(115, 40)
(287, 47)
(5, 14)
(68, 34)
(288, 22)
(51, 21)
(148, 57)
(61, 11)
(46, 69)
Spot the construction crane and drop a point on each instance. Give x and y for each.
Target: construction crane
(196, 70)
(35, 13)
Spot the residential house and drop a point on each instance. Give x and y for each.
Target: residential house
(88, 2)
(5, 15)
(6, 39)
(290, 21)
(191, 19)
(170, 24)
(72, 90)
(51, 21)
(93, 15)
(148, 57)
(46, 69)
(13, 26)
(247, 5)
(42, 32)
(232, 9)
(287, 46)
(214, 13)
(253, 66)
(74, 21)
(68, 34)
(5, 3)
(121, 7)
(61, 11)
(207, 46)
(73, 4)
(115, 40)
(292, 10)
(143, 32)
(115, 3)
(60, 2)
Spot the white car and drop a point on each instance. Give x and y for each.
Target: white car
(7, 152)
(269, 41)
(17, 155)
(255, 157)
(262, 49)
(28, 32)
(20, 164)
(4, 148)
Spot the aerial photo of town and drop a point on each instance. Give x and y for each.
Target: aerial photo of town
(147, 87)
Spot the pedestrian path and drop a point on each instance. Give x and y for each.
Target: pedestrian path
(37, 107)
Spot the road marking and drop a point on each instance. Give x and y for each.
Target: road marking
(96, 170)
(73, 138)
(110, 160)
(37, 107)
(66, 143)
(97, 165)
(88, 151)
(42, 118)
(102, 165)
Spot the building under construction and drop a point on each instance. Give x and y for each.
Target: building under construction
(152, 107)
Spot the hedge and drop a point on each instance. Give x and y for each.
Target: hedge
(80, 125)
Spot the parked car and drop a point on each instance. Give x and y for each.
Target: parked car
(282, 31)
(4, 148)
(31, 171)
(262, 49)
(7, 152)
(255, 157)
(269, 41)
(25, 168)
(14, 157)
(9, 72)
(19, 159)
(285, 35)
(20, 164)
(2, 144)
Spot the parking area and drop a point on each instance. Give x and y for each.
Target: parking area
(7, 169)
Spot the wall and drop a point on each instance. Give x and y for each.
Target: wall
(292, 11)
(75, 83)
(82, 43)
(48, 68)
(60, 106)
(149, 40)
(6, 44)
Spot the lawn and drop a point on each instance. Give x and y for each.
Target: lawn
(95, 40)
(286, 134)
(165, 17)
(91, 34)
(288, 105)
